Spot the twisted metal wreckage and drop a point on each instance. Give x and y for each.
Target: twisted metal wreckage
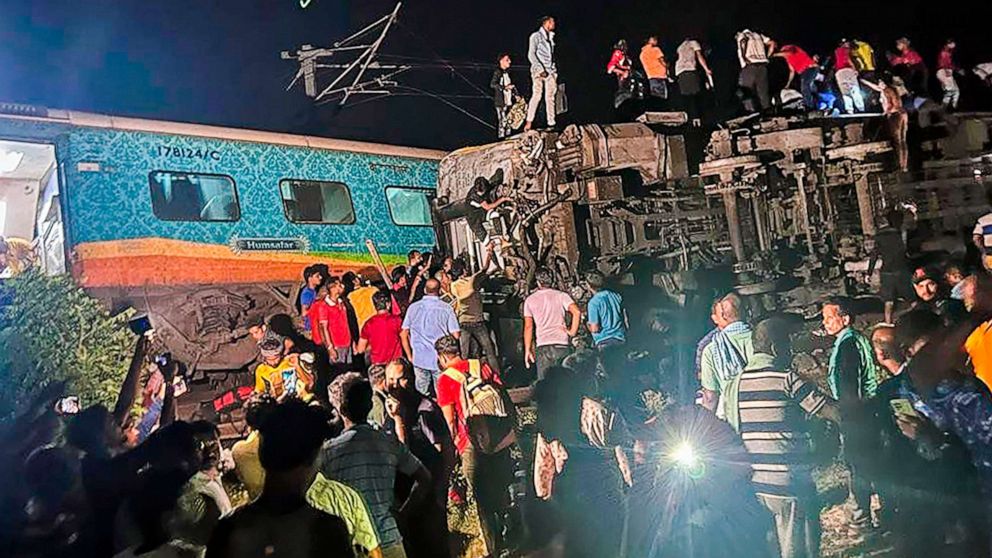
(781, 204)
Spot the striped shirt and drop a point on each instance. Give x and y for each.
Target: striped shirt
(773, 407)
(368, 460)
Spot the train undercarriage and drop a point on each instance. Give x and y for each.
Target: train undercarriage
(777, 209)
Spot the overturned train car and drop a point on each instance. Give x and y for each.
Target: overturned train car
(772, 207)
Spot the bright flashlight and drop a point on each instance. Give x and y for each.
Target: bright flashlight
(684, 455)
(686, 458)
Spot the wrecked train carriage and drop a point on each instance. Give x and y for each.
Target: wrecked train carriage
(610, 196)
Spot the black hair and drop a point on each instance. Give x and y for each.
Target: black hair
(332, 280)
(596, 280)
(954, 265)
(501, 56)
(258, 408)
(544, 277)
(915, 325)
(544, 19)
(382, 300)
(410, 254)
(282, 325)
(206, 438)
(255, 319)
(458, 269)
(88, 429)
(398, 273)
(309, 272)
(351, 396)
(404, 364)
(448, 346)
(291, 435)
(771, 336)
(349, 281)
(842, 303)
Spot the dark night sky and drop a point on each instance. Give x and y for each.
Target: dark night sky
(217, 61)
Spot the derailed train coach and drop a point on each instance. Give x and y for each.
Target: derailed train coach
(202, 227)
(781, 209)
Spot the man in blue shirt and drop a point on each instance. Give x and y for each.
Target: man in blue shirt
(427, 320)
(312, 278)
(607, 318)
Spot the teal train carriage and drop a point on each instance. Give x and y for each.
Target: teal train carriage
(201, 226)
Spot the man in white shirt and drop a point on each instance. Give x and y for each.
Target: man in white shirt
(687, 73)
(752, 52)
(544, 320)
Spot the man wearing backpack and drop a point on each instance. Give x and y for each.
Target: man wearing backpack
(480, 417)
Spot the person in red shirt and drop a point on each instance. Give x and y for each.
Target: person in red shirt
(488, 475)
(908, 64)
(946, 68)
(846, 76)
(380, 336)
(329, 322)
(801, 64)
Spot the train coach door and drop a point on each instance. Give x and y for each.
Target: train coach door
(30, 212)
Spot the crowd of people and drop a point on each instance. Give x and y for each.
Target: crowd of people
(848, 80)
(384, 402)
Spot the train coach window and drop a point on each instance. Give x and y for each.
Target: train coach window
(186, 196)
(409, 206)
(315, 201)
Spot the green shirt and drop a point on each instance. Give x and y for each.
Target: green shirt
(345, 502)
(712, 380)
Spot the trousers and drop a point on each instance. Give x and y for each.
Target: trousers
(478, 333)
(426, 381)
(548, 356)
(546, 87)
(753, 82)
(952, 94)
(797, 523)
(489, 477)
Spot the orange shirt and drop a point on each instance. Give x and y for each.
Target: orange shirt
(653, 62)
(979, 347)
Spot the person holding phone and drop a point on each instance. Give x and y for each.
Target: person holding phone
(911, 459)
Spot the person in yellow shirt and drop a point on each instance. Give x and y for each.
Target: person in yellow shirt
(337, 498)
(324, 494)
(247, 465)
(361, 302)
(281, 376)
